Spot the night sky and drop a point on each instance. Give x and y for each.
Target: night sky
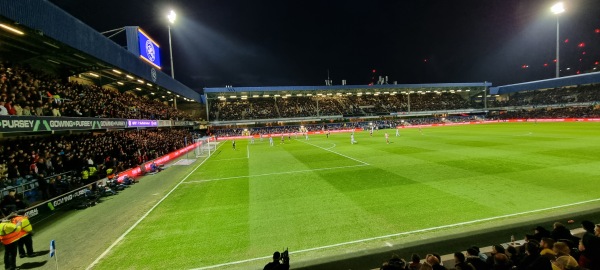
(290, 42)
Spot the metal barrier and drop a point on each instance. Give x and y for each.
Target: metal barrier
(28, 186)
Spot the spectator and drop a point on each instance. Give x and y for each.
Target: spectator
(460, 262)
(415, 262)
(547, 244)
(496, 249)
(395, 263)
(3, 110)
(533, 260)
(589, 248)
(474, 259)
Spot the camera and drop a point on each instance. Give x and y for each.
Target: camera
(285, 257)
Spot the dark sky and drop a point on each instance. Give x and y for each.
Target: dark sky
(292, 42)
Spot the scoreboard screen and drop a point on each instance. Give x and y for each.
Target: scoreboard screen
(149, 50)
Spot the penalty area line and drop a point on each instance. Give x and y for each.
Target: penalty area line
(404, 233)
(327, 149)
(277, 173)
(95, 262)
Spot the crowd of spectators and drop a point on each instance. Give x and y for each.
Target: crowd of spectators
(531, 113)
(25, 92)
(584, 93)
(541, 113)
(555, 249)
(37, 158)
(330, 105)
(384, 104)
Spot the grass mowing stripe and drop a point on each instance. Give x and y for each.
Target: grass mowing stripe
(143, 217)
(326, 149)
(277, 173)
(404, 233)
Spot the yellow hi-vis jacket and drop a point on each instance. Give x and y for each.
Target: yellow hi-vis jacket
(9, 232)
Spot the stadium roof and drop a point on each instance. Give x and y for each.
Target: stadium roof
(588, 78)
(352, 89)
(42, 35)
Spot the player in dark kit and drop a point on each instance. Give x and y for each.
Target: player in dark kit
(233, 144)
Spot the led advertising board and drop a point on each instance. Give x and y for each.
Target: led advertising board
(149, 50)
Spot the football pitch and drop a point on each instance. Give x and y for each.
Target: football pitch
(324, 196)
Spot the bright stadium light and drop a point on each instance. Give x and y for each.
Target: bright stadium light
(557, 9)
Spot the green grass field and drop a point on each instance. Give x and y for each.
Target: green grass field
(325, 197)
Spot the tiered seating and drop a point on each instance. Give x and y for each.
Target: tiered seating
(25, 92)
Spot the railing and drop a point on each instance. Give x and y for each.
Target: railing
(28, 186)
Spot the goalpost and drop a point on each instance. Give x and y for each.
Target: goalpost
(205, 149)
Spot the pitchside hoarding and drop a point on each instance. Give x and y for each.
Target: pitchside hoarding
(141, 123)
(39, 124)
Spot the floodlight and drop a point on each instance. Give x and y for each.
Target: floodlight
(558, 8)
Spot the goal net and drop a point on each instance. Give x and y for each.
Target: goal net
(205, 148)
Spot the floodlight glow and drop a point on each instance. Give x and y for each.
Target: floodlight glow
(116, 71)
(128, 76)
(120, 83)
(172, 16)
(94, 74)
(14, 30)
(558, 8)
(139, 89)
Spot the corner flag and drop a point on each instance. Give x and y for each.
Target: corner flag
(52, 248)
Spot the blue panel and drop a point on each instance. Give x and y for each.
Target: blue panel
(149, 50)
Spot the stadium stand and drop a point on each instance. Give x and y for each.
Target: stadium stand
(32, 160)
(26, 92)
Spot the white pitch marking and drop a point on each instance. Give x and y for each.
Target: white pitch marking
(403, 233)
(336, 153)
(277, 173)
(330, 147)
(230, 159)
(142, 218)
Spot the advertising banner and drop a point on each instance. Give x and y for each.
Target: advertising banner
(48, 208)
(183, 123)
(39, 124)
(161, 160)
(164, 123)
(141, 123)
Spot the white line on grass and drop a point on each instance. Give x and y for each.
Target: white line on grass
(277, 173)
(333, 146)
(403, 233)
(326, 149)
(230, 159)
(143, 217)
